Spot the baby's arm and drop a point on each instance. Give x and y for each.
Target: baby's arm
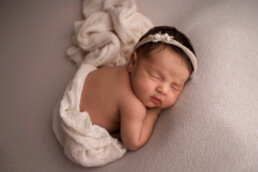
(136, 125)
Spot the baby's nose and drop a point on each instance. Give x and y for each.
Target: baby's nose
(163, 88)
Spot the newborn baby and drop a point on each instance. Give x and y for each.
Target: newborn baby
(103, 107)
(126, 100)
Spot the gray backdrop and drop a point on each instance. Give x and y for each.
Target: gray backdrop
(212, 127)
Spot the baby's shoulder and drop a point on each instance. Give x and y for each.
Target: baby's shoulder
(129, 104)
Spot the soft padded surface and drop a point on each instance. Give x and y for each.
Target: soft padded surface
(212, 127)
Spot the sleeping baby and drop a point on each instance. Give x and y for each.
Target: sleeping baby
(107, 110)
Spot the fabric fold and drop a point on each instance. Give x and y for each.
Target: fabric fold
(107, 35)
(84, 143)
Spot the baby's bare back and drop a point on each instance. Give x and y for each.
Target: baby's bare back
(100, 96)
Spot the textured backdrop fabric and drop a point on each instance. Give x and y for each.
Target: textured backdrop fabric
(213, 125)
(107, 35)
(211, 128)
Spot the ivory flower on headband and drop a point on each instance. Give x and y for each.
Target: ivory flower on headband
(160, 37)
(166, 38)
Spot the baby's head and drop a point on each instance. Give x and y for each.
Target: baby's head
(162, 62)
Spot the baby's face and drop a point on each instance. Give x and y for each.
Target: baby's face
(159, 78)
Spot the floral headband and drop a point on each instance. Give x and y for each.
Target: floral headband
(165, 38)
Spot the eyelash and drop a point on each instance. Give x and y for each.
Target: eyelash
(153, 76)
(157, 77)
(175, 88)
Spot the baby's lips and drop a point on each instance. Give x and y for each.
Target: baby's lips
(156, 100)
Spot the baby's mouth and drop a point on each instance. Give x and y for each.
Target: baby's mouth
(155, 100)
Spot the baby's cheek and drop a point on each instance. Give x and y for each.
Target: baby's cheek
(148, 85)
(142, 85)
(171, 99)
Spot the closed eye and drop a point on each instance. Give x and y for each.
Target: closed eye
(175, 87)
(154, 76)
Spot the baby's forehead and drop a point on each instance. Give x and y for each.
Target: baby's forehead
(152, 48)
(155, 54)
(156, 48)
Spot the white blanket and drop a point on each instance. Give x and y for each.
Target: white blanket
(105, 37)
(84, 143)
(109, 32)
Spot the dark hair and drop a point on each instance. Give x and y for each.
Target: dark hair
(178, 36)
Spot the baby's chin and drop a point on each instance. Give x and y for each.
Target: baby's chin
(149, 105)
(152, 105)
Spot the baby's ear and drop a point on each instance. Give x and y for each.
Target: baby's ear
(132, 61)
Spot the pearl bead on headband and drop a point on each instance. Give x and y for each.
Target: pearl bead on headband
(165, 38)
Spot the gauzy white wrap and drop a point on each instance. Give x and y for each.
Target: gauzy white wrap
(109, 32)
(105, 37)
(84, 143)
